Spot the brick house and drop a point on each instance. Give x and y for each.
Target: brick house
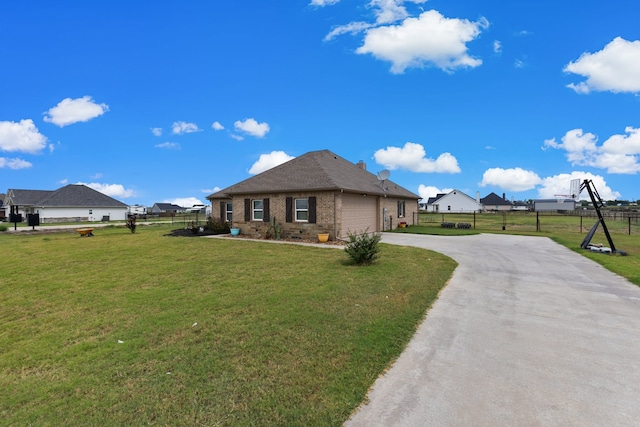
(318, 192)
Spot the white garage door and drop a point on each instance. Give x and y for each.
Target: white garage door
(359, 213)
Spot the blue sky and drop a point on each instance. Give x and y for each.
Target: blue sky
(169, 101)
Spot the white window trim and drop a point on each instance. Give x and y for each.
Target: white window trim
(402, 207)
(296, 210)
(254, 210)
(228, 213)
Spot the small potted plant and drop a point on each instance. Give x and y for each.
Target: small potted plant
(323, 237)
(234, 230)
(402, 224)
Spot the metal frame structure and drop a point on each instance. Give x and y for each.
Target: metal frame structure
(597, 204)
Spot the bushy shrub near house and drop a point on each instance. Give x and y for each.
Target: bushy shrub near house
(217, 226)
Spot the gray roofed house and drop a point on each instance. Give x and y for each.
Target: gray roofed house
(493, 202)
(72, 202)
(159, 208)
(318, 192)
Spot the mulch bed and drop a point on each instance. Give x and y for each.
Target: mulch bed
(186, 232)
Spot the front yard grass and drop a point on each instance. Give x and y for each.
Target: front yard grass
(144, 329)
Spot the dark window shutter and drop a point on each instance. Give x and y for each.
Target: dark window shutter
(265, 210)
(223, 211)
(289, 212)
(247, 210)
(312, 210)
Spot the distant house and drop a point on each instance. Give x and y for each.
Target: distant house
(554, 205)
(454, 201)
(2, 211)
(318, 192)
(71, 203)
(493, 202)
(166, 208)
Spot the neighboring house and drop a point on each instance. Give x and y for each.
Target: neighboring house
(2, 211)
(453, 202)
(71, 203)
(493, 202)
(166, 208)
(318, 192)
(554, 205)
(521, 206)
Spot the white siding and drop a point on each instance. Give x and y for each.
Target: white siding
(456, 202)
(91, 214)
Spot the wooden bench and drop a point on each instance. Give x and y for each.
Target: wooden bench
(88, 232)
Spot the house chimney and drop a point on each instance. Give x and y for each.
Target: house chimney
(504, 196)
(477, 197)
(362, 165)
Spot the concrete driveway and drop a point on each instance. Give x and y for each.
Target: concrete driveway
(527, 333)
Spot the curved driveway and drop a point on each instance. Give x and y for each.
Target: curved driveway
(527, 333)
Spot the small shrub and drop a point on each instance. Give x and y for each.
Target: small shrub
(3, 227)
(217, 226)
(363, 249)
(131, 223)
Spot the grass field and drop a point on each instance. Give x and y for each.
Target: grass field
(145, 329)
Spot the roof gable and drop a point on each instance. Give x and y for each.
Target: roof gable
(71, 195)
(494, 200)
(316, 171)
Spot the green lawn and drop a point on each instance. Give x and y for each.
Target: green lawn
(136, 329)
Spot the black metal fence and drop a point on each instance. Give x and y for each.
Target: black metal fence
(579, 221)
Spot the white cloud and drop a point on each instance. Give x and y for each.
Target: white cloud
(70, 111)
(618, 154)
(22, 136)
(426, 191)
(217, 126)
(513, 179)
(14, 163)
(252, 127)
(111, 190)
(268, 161)
(615, 68)
(561, 183)
(412, 157)
(183, 127)
(429, 39)
(210, 190)
(185, 202)
(497, 46)
(350, 28)
(156, 131)
(236, 137)
(168, 145)
(321, 3)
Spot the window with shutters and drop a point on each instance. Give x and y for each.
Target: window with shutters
(229, 211)
(302, 210)
(401, 209)
(257, 210)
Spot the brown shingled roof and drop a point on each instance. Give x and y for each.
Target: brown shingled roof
(315, 171)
